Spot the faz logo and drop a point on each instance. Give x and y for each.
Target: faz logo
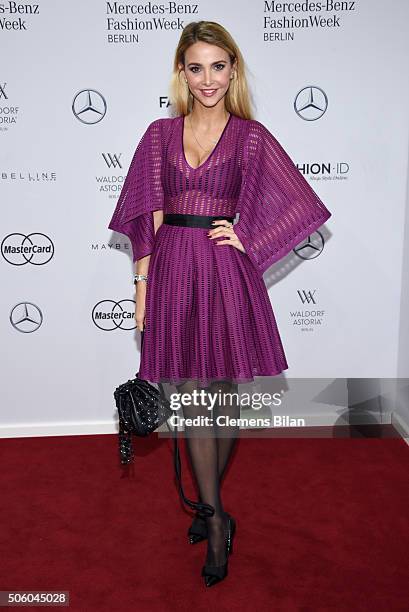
(3, 91)
(89, 106)
(311, 247)
(109, 315)
(26, 317)
(112, 161)
(20, 249)
(307, 297)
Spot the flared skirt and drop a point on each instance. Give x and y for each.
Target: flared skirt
(208, 315)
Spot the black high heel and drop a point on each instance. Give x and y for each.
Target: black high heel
(197, 532)
(216, 573)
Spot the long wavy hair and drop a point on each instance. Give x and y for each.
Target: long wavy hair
(237, 97)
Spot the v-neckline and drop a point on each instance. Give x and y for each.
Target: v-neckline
(214, 149)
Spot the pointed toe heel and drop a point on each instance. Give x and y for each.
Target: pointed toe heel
(216, 573)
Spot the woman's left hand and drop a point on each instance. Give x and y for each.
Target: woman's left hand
(225, 229)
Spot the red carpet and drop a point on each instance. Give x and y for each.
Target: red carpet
(322, 524)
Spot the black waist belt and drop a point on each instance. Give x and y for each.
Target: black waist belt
(193, 220)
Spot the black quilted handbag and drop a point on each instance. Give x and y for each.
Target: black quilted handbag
(142, 408)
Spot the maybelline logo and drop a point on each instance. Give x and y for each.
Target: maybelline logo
(32, 176)
(26, 317)
(109, 315)
(20, 249)
(8, 114)
(14, 10)
(310, 103)
(89, 106)
(307, 320)
(111, 184)
(124, 246)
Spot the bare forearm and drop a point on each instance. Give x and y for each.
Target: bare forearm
(142, 265)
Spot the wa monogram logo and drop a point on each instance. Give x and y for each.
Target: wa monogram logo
(112, 160)
(306, 297)
(110, 181)
(3, 91)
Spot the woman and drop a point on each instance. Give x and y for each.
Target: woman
(200, 295)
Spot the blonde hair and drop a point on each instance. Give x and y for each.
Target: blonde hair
(237, 98)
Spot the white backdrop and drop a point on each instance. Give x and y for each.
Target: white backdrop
(61, 165)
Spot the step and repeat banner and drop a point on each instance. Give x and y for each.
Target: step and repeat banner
(79, 83)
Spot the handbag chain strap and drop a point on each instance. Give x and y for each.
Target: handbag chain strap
(202, 509)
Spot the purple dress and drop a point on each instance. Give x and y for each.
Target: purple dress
(208, 312)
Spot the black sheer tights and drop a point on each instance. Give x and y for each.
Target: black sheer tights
(209, 447)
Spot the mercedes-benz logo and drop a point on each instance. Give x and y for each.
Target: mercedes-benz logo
(26, 317)
(109, 315)
(89, 106)
(20, 249)
(311, 247)
(310, 103)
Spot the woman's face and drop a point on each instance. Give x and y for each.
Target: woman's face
(207, 70)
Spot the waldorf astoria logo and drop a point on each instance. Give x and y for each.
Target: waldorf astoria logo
(3, 95)
(306, 296)
(112, 160)
(21, 249)
(111, 184)
(109, 315)
(311, 316)
(89, 106)
(310, 103)
(8, 112)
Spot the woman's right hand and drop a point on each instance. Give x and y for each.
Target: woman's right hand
(140, 304)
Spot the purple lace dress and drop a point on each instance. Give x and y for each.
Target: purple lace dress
(208, 312)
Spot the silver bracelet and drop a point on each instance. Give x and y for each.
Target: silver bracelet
(138, 277)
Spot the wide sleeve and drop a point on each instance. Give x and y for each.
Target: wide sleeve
(278, 207)
(141, 193)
